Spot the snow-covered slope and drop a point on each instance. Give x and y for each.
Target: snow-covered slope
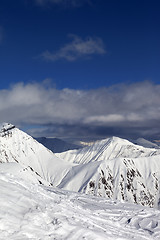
(31, 211)
(135, 180)
(23, 172)
(109, 148)
(113, 168)
(116, 168)
(17, 146)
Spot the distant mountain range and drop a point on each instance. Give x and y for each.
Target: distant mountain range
(145, 143)
(57, 145)
(113, 168)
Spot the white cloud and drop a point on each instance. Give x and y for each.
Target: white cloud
(76, 49)
(135, 107)
(105, 119)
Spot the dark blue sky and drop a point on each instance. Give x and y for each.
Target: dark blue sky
(130, 31)
(81, 68)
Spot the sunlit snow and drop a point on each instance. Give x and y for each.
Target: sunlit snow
(32, 208)
(30, 211)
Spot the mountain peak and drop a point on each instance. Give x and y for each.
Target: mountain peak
(5, 128)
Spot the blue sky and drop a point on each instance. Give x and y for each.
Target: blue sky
(82, 46)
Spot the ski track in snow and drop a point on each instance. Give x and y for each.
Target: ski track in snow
(30, 211)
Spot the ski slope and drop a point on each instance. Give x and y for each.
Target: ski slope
(31, 211)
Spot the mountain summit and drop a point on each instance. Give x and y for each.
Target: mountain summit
(18, 147)
(5, 129)
(118, 169)
(109, 148)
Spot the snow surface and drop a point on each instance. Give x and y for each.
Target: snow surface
(132, 180)
(17, 146)
(113, 168)
(31, 211)
(109, 148)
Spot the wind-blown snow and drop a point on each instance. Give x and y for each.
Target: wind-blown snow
(31, 211)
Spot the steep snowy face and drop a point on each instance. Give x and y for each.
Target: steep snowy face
(117, 169)
(135, 180)
(107, 149)
(113, 168)
(17, 146)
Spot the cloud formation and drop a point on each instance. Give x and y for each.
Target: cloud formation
(124, 110)
(77, 48)
(73, 3)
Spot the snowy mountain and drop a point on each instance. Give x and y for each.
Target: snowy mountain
(23, 172)
(113, 168)
(145, 143)
(18, 147)
(56, 145)
(109, 148)
(32, 211)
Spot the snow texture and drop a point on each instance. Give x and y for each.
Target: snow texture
(31, 211)
(31, 208)
(17, 146)
(113, 168)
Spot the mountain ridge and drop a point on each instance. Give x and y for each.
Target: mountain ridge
(107, 149)
(113, 168)
(19, 147)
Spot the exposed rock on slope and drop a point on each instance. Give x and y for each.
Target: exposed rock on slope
(117, 169)
(113, 168)
(31, 211)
